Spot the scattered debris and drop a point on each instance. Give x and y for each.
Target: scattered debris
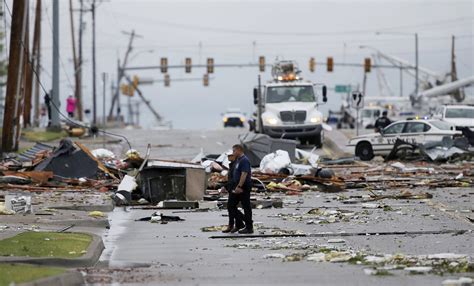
(158, 217)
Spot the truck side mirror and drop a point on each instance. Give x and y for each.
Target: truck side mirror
(255, 96)
(325, 93)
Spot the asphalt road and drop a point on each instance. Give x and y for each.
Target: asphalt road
(179, 253)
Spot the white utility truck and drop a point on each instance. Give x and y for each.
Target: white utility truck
(288, 107)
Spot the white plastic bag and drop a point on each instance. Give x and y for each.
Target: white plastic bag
(274, 162)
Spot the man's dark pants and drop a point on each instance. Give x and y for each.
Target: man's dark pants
(235, 216)
(244, 199)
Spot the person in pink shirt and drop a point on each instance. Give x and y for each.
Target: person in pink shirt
(70, 106)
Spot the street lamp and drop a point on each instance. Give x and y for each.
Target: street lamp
(141, 52)
(416, 54)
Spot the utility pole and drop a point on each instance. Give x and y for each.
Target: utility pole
(27, 82)
(36, 56)
(104, 86)
(120, 75)
(401, 82)
(417, 82)
(147, 102)
(77, 83)
(137, 113)
(55, 124)
(94, 91)
(79, 70)
(15, 73)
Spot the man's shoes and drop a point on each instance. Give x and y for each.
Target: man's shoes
(246, 231)
(234, 230)
(228, 229)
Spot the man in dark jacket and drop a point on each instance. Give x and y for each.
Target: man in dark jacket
(235, 216)
(382, 122)
(242, 178)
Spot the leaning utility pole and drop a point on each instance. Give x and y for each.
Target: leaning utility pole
(55, 123)
(120, 75)
(15, 75)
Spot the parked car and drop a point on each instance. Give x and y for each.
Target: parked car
(412, 131)
(233, 118)
(458, 115)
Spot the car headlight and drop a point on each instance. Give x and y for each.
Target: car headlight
(315, 120)
(271, 120)
(225, 119)
(242, 119)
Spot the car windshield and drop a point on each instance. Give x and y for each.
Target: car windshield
(394, 128)
(277, 94)
(441, 125)
(460, 113)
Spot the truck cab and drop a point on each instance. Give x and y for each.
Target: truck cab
(287, 107)
(458, 115)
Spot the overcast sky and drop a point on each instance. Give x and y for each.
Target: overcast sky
(240, 31)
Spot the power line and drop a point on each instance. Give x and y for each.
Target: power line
(293, 33)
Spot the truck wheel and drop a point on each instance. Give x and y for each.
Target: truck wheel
(364, 151)
(317, 140)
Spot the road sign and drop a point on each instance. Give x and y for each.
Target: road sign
(342, 88)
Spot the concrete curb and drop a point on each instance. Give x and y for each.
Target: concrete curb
(77, 222)
(65, 279)
(87, 260)
(107, 207)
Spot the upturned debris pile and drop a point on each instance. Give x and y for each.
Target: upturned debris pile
(70, 166)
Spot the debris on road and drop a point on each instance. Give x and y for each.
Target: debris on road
(158, 217)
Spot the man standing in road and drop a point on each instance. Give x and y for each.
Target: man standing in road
(243, 185)
(236, 222)
(382, 122)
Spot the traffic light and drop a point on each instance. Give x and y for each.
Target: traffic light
(164, 65)
(205, 80)
(127, 89)
(261, 63)
(312, 64)
(188, 64)
(167, 80)
(367, 65)
(135, 81)
(210, 65)
(330, 64)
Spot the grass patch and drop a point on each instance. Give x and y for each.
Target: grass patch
(43, 136)
(22, 273)
(46, 244)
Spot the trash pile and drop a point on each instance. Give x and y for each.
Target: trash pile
(446, 150)
(70, 166)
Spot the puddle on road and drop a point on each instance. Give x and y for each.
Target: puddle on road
(118, 219)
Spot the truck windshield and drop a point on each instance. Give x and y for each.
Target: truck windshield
(277, 94)
(460, 113)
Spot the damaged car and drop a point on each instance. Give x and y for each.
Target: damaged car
(412, 131)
